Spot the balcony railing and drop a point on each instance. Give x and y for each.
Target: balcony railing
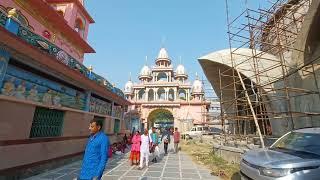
(50, 48)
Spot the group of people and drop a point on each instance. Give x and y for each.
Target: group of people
(98, 149)
(148, 144)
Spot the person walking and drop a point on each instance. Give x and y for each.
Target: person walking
(144, 148)
(96, 153)
(154, 145)
(176, 139)
(135, 149)
(166, 140)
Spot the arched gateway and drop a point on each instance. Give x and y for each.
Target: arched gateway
(160, 118)
(164, 97)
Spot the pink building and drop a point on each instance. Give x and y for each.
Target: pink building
(164, 97)
(47, 95)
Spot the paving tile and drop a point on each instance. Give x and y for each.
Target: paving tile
(155, 168)
(107, 177)
(169, 167)
(191, 176)
(123, 168)
(153, 174)
(51, 176)
(149, 178)
(171, 170)
(116, 173)
(134, 173)
(130, 178)
(172, 166)
(68, 177)
(171, 174)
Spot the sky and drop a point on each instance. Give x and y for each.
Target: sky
(126, 31)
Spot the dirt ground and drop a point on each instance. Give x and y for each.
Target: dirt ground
(202, 153)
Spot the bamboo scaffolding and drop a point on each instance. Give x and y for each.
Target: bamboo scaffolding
(267, 31)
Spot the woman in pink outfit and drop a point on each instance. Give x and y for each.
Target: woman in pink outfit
(135, 149)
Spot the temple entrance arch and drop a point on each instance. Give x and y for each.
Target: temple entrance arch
(161, 118)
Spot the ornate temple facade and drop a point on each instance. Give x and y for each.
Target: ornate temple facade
(165, 97)
(47, 96)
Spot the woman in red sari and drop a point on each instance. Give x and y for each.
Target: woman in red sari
(135, 149)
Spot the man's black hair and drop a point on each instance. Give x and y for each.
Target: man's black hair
(98, 122)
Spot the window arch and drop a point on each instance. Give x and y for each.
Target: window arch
(162, 76)
(161, 94)
(182, 94)
(171, 95)
(151, 95)
(141, 94)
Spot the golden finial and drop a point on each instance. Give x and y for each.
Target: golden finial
(53, 37)
(13, 13)
(90, 68)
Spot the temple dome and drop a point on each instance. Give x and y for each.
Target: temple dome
(145, 71)
(128, 88)
(180, 70)
(197, 86)
(163, 54)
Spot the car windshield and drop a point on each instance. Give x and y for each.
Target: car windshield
(206, 128)
(300, 142)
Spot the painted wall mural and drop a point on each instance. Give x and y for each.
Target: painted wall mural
(28, 86)
(100, 106)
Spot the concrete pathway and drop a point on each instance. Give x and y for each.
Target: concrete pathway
(172, 166)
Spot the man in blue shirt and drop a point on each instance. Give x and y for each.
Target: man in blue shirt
(96, 153)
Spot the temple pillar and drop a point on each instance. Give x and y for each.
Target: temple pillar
(167, 94)
(147, 94)
(187, 95)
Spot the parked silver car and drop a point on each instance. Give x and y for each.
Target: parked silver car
(294, 156)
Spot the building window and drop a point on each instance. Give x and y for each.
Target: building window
(151, 95)
(79, 27)
(161, 94)
(142, 94)
(182, 94)
(46, 123)
(162, 76)
(116, 128)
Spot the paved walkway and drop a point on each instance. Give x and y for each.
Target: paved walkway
(172, 166)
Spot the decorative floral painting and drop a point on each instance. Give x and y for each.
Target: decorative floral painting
(28, 86)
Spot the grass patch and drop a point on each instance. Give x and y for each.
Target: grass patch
(203, 154)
